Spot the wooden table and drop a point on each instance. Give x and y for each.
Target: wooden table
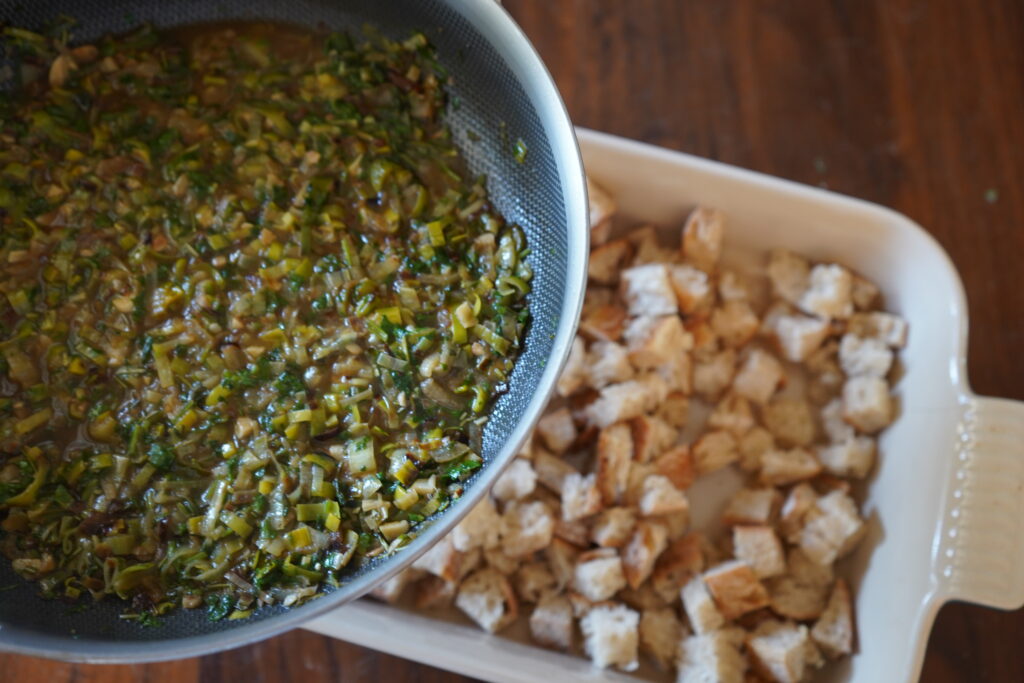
(915, 104)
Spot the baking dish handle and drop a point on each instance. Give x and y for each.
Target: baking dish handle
(979, 554)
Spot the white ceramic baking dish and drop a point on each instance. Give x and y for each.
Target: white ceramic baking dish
(945, 505)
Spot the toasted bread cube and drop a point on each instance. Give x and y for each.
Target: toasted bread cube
(626, 400)
(660, 497)
(783, 650)
(610, 636)
(607, 363)
(651, 437)
(752, 506)
(867, 404)
(829, 292)
(802, 592)
(780, 468)
(526, 527)
(852, 458)
(752, 446)
(694, 292)
(790, 421)
(602, 208)
(648, 541)
(654, 341)
(713, 373)
(599, 575)
(758, 377)
(638, 473)
(614, 453)
(735, 323)
(561, 557)
(607, 261)
(735, 588)
(704, 340)
(557, 430)
(533, 581)
(733, 414)
(760, 548)
(581, 497)
(681, 560)
(798, 336)
(799, 501)
(478, 529)
(576, 531)
(884, 327)
(700, 606)
(613, 527)
(836, 428)
(677, 373)
(712, 656)
(551, 622)
(703, 235)
(834, 630)
(661, 634)
(487, 598)
(732, 286)
(790, 275)
(572, 375)
(391, 590)
(442, 560)
(714, 450)
(647, 249)
(831, 529)
(551, 471)
(676, 464)
(606, 322)
(647, 290)
(864, 356)
(498, 559)
(675, 409)
(864, 293)
(432, 592)
(516, 482)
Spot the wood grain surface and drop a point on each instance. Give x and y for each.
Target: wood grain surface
(915, 104)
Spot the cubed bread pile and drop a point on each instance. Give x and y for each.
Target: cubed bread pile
(586, 535)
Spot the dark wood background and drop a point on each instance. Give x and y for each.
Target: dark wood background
(915, 104)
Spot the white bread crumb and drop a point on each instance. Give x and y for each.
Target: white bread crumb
(607, 260)
(557, 430)
(487, 598)
(648, 541)
(516, 482)
(732, 286)
(655, 340)
(478, 529)
(603, 323)
(694, 292)
(626, 400)
(651, 437)
(884, 327)
(836, 428)
(831, 528)
(852, 458)
(526, 527)
(682, 560)
(784, 467)
(533, 581)
(607, 363)
(614, 453)
(752, 506)
(829, 292)
(798, 336)
(600, 577)
(610, 636)
(864, 356)
(802, 592)
(602, 208)
(799, 501)
(714, 372)
(647, 290)
(660, 497)
(732, 413)
(758, 377)
(752, 446)
(867, 404)
(581, 497)
(713, 657)
(676, 464)
(675, 409)
(790, 421)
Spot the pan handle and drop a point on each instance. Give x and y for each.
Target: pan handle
(979, 551)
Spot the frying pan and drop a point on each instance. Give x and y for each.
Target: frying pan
(500, 91)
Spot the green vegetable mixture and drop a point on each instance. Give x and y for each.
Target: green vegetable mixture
(253, 312)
